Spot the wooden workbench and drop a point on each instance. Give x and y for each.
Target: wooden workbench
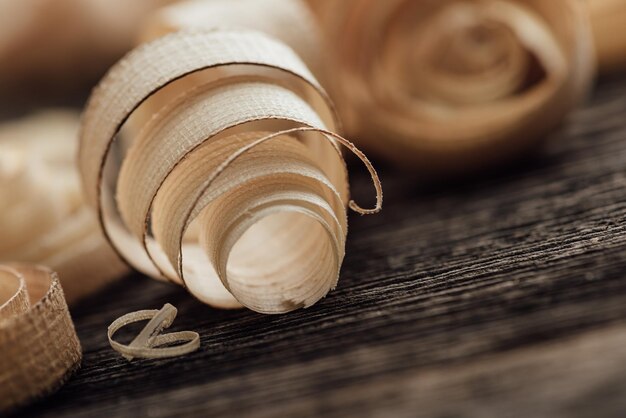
(504, 295)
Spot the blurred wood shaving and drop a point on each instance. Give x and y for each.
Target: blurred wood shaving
(450, 86)
(608, 18)
(42, 213)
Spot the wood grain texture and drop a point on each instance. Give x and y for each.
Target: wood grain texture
(502, 296)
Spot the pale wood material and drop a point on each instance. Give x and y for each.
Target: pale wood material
(247, 151)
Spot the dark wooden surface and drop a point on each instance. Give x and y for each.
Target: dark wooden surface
(503, 296)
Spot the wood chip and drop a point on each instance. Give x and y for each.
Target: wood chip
(148, 342)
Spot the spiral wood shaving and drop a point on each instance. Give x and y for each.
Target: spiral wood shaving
(453, 85)
(236, 187)
(43, 218)
(38, 342)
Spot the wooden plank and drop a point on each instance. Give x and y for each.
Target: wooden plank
(501, 296)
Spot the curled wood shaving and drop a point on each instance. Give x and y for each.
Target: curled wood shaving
(148, 342)
(38, 342)
(213, 162)
(452, 85)
(43, 218)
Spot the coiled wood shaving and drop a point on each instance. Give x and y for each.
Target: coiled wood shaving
(38, 342)
(235, 187)
(454, 85)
